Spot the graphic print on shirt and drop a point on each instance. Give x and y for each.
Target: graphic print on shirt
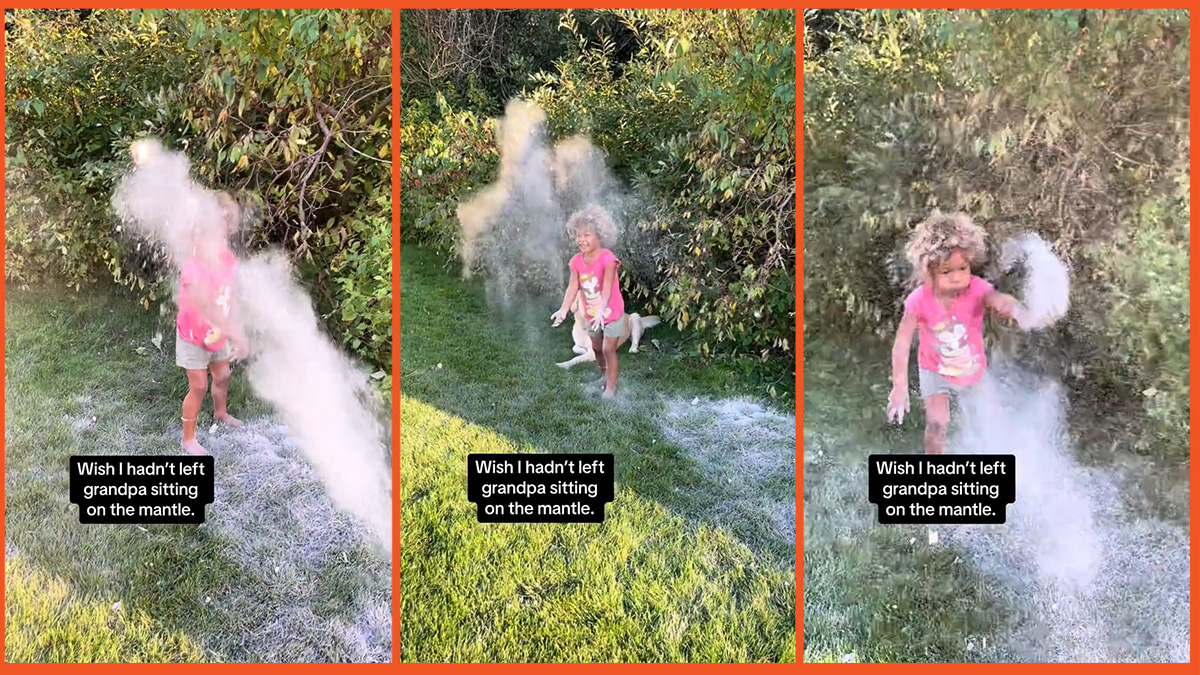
(954, 348)
(591, 294)
(223, 300)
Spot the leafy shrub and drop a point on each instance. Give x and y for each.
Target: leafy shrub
(1068, 123)
(698, 120)
(444, 155)
(290, 108)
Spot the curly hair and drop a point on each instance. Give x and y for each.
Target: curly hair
(939, 236)
(594, 218)
(230, 210)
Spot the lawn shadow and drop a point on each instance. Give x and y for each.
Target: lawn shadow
(497, 369)
(274, 574)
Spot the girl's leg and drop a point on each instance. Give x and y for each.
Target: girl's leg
(610, 359)
(220, 393)
(197, 388)
(937, 420)
(598, 350)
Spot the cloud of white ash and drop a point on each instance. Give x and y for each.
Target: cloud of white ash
(1047, 292)
(514, 230)
(319, 391)
(158, 201)
(1089, 580)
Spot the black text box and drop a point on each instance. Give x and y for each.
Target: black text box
(536, 488)
(141, 489)
(942, 489)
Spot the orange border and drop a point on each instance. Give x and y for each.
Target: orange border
(798, 342)
(1195, 472)
(798, 338)
(1179, 668)
(397, 102)
(273, 667)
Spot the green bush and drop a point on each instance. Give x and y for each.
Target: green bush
(699, 121)
(1069, 123)
(289, 108)
(444, 155)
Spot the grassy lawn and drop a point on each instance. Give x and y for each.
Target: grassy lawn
(694, 562)
(880, 593)
(884, 594)
(274, 574)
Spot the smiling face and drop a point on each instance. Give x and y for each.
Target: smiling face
(953, 275)
(586, 239)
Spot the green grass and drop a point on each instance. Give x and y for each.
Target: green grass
(81, 377)
(46, 621)
(882, 593)
(663, 579)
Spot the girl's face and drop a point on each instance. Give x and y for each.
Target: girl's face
(586, 239)
(953, 275)
(208, 247)
(211, 242)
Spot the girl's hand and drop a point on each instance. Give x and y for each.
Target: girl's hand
(597, 323)
(1004, 305)
(897, 404)
(558, 317)
(240, 349)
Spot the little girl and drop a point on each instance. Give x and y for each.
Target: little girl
(594, 272)
(208, 335)
(947, 311)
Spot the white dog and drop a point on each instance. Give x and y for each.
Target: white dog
(635, 326)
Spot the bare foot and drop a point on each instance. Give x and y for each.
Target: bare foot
(193, 447)
(608, 393)
(230, 421)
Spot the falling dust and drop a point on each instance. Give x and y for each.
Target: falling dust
(319, 392)
(749, 455)
(289, 537)
(513, 231)
(1091, 581)
(1048, 283)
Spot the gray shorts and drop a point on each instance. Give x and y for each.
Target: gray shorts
(195, 357)
(933, 383)
(611, 330)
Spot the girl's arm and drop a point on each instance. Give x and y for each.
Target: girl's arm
(1000, 303)
(898, 399)
(572, 291)
(568, 300)
(610, 282)
(901, 348)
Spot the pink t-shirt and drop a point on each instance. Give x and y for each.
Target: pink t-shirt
(591, 282)
(215, 283)
(951, 340)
